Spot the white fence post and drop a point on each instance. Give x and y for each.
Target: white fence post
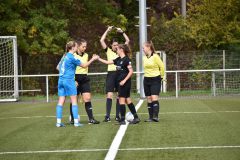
(47, 89)
(213, 84)
(176, 83)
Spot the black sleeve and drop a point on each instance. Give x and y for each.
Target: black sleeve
(128, 61)
(115, 61)
(106, 49)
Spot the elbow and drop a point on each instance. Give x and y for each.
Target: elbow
(101, 40)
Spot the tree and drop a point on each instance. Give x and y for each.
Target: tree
(41, 27)
(214, 23)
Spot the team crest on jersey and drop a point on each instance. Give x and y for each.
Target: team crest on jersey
(121, 62)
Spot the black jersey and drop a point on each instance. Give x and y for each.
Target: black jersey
(122, 67)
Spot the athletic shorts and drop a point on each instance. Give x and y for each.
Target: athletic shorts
(152, 85)
(111, 82)
(124, 91)
(83, 83)
(66, 87)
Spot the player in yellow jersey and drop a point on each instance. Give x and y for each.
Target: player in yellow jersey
(111, 81)
(124, 74)
(153, 75)
(83, 81)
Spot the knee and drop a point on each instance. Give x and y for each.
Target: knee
(109, 95)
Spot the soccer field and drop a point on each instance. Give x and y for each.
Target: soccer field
(194, 129)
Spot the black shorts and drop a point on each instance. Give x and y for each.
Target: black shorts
(83, 83)
(111, 82)
(124, 91)
(152, 85)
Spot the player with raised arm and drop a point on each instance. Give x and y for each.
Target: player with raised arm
(66, 82)
(124, 73)
(112, 74)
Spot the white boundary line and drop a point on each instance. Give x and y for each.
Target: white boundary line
(112, 152)
(126, 149)
(26, 117)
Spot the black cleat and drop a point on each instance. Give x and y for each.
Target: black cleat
(117, 119)
(93, 121)
(135, 121)
(71, 122)
(107, 119)
(121, 123)
(155, 120)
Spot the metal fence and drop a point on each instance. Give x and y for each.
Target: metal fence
(180, 83)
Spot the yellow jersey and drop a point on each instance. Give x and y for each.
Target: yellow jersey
(84, 59)
(111, 56)
(153, 66)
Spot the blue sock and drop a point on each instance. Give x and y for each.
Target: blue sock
(59, 110)
(75, 111)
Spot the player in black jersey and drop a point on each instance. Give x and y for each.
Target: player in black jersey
(111, 85)
(124, 73)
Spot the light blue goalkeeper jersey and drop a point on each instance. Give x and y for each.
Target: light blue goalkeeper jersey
(68, 66)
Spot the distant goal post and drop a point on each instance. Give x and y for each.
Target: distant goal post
(8, 67)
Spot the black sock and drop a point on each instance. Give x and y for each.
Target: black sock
(71, 113)
(133, 110)
(150, 110)
(117, 108)
(122, 111)
(88, 107)
(108, 107)
(155, 105)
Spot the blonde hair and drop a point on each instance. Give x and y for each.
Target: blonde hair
(70, 45)
(150, 44)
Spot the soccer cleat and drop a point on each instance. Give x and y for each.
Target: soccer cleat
(93, 121)
(149, 120)
(60, 125)
(135, 121)
(117, 119)
(78, 125)
(107, 119)
(121, 123)
(155, 119)
(71, 122)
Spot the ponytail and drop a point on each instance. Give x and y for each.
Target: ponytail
(70, 45)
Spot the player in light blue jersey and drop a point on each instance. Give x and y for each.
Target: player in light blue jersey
(66, 82)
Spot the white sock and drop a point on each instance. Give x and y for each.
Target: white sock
(75, 120)
(59, 120)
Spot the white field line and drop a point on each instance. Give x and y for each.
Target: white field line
(26, 117)
(126, 149)
(112, 152)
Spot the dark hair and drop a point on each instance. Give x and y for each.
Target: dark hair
(70, 45)
(114, 40)
(150, 44)
(126, 49)
(81, 41)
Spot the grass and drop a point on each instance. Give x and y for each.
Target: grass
(184, 123)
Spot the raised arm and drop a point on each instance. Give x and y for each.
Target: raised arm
(124, 35)
(102, 40)
(94, 57)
